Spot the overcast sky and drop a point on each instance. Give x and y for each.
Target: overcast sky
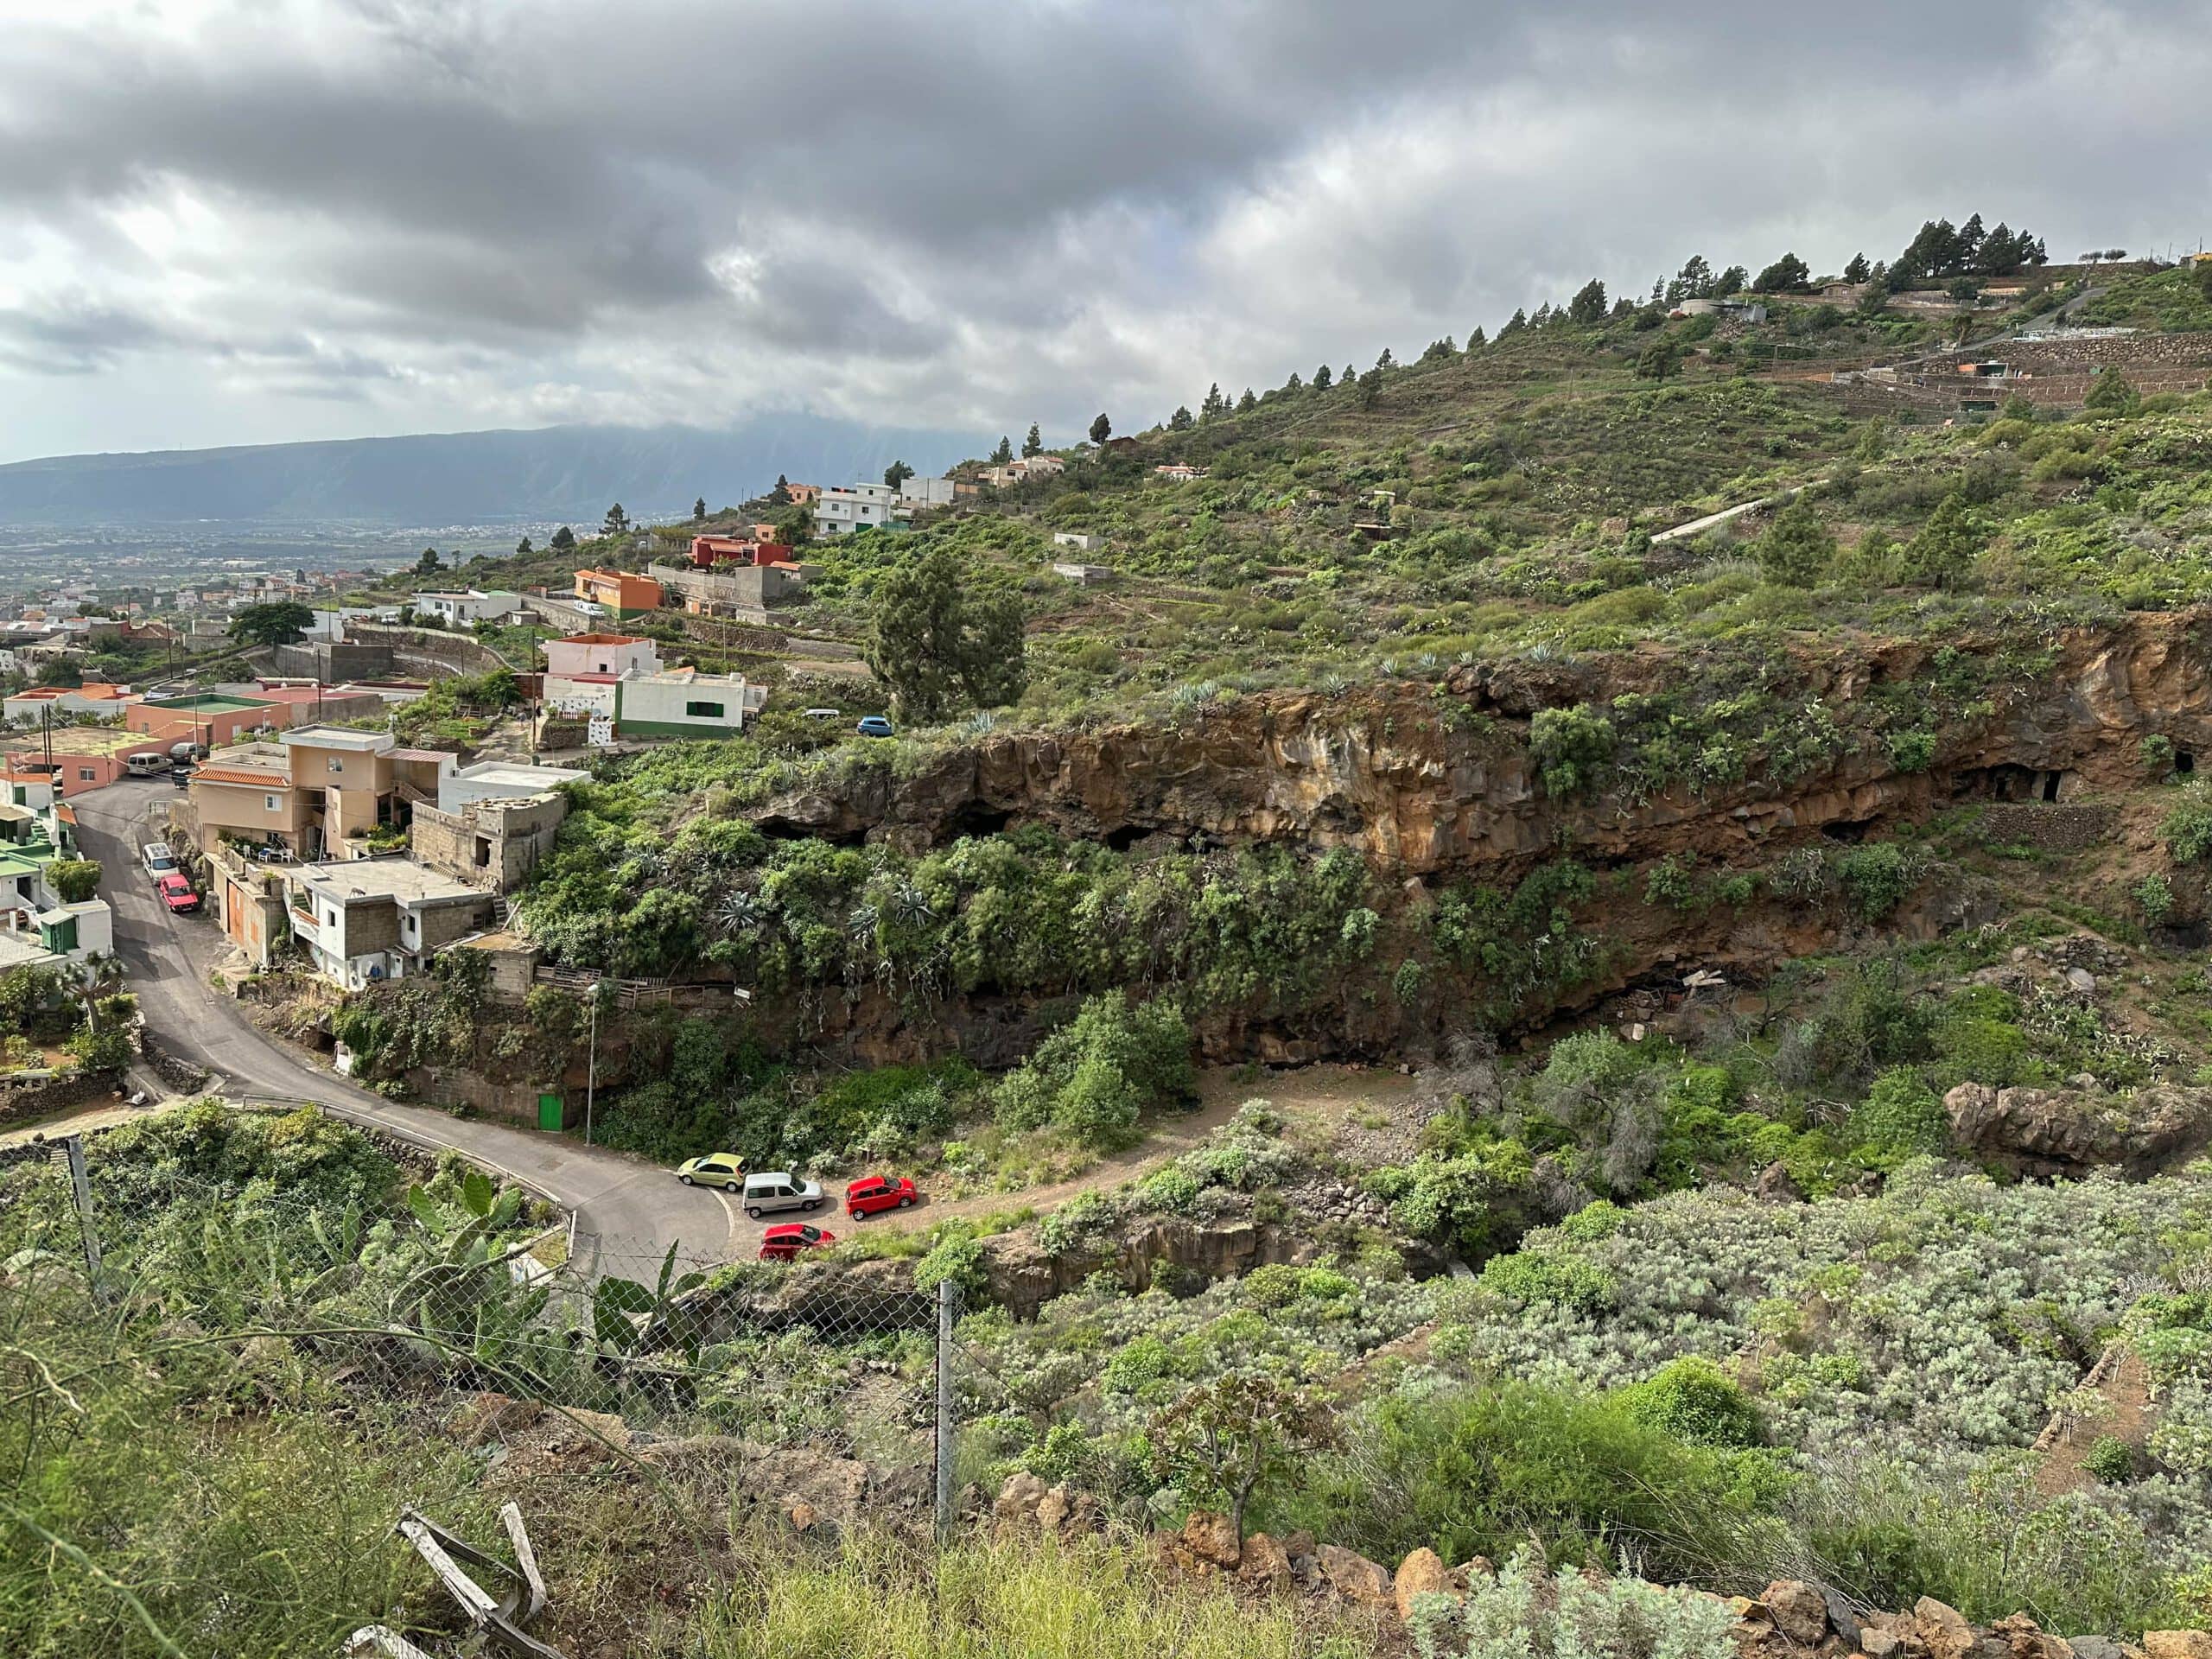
(266, 220)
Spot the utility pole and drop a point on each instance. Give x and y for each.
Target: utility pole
(591, 1072)
(81, 1190)
(947, 1294)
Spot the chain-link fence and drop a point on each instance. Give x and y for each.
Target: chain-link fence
(457, 1286)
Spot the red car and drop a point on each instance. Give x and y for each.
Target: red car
(176, 892)
(873, 1194)
(783, 1241)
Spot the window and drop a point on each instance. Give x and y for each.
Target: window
(85, 774)
(338, 763)
(702, 711)
(268, 803)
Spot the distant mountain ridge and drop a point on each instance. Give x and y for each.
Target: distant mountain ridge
(432, 478)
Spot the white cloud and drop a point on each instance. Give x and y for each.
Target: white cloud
(282, 218)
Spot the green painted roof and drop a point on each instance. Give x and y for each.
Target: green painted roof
(209, 702)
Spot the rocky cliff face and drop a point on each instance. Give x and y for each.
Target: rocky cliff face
(1436, 783)
(1429, 780)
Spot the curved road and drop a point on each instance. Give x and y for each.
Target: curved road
(629, 1212)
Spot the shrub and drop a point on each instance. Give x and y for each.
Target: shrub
(2188, 828)
(74, 879)
(957, 1256)
(1901, 1117)
(2157, 751)
(1877, 876)
(2109, 1459)
(1528, 1611)
(1482, 1472)
(1912, 751)
(2154, 897)
(1694, 1400)
(1095, 1074)
(1573, 1284)
(1571, 747)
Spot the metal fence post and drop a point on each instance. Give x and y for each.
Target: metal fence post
(947, 1294)
(81, 1190)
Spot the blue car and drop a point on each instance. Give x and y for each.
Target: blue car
(875, 726)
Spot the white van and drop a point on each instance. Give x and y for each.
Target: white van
(778, 1188)
(148, 763)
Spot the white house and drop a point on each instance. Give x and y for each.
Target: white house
(459, 610)
(501, 780)
(601, 653)
(684, 703)
(376, 918)
(858, 506)
(926, 492)
(1082, 540)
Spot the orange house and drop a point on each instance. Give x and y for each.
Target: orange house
(625, 595)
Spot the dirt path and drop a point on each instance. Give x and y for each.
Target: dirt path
(1312, 1097)
(82, 1120)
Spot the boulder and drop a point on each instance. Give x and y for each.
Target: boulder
(1943, 1629)
(2054, 1133)
(2177, 1644)
(803, 1516)
(1264, 1564)
(1208, 1540)
(2025, 1639)
(1879, 1644)
(1421, 1573)
(1798, 1610)
(1778, 1185)
(2099, 1647)
(1355, 1578)
(1017, 1502)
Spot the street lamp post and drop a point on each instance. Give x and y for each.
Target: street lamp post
(591, 1071)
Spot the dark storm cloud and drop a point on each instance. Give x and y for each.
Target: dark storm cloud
(963, 205)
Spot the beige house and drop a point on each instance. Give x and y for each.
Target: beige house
(319, 791)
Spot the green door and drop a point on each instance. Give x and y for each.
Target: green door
(549, 1111)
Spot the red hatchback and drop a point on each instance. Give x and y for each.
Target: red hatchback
(176, 892)
(873, 1194)
(786, 1239)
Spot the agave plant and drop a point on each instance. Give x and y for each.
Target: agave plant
(911, 906)
(739, 912)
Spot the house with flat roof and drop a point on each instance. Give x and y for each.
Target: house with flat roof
(491, 780)
(683, 703)
(36, 705)
(210, 719)
(40, 928)
(601, 653)
(623, 593)
(81, 757)
(319, 790)
(468, 606)
(370, 919)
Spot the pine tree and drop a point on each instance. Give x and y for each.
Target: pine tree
(1514, 323)
(1385, 361)
(1101, 429)
(1798, 549)
(1588, 306)
(1476, 337)
(1321, 376)
(1034, 445)
(1181, 420)
(1856, 271)
(1348, 376)
(522, 549)
(1212, 403)
(1247, 402)
(1944, 551)
(1004, 453)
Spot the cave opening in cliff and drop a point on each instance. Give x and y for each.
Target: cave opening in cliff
(2003, 782)
(2184, 762)
(1852, 830)
(1123, 836)
(977, 819)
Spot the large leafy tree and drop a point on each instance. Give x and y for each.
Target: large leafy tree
(618, 521)
(284, 622)
(1226, 1438)
(564, 540)
(934, 638)
(897, 474)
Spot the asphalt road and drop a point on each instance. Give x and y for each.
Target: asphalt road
(629, 1212)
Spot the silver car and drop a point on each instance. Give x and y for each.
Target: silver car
(778, 1188)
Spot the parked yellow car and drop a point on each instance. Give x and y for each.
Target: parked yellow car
(722, 1169)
